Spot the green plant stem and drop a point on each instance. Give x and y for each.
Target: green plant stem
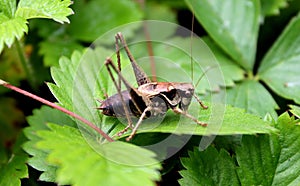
(26, 65)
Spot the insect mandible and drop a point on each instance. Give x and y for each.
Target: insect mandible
(149, 98)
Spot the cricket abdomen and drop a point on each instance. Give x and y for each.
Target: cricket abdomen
(112, 106)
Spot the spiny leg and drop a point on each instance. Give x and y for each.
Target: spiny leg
(118, 58)
(139, 73)
(184, 113)
(200, 102)
(138, 123)
(128, 86)
(107, 62)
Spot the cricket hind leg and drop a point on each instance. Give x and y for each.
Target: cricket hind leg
(108, 62)
(139, 73)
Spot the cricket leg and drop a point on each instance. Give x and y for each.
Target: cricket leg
(130, 88)
(138, 123)
(200, 102)
(184, 113)
(139, 73)
(109, 61)
(118, 58)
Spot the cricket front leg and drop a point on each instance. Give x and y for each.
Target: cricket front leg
(184, 113)
(142, 117)
(200, 102)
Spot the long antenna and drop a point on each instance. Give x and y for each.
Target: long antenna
(191, 47)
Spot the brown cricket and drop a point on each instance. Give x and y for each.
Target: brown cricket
(149, 99)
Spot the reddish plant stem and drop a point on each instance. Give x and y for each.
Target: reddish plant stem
(46, 102)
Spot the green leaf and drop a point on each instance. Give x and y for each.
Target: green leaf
(221, 119)
(253, 97)
(272, 7)
(52, 9)
(11, 28)
(8, 7)
(288, 165)
(37, 123)
(15, 168)
(209, 167)
(257, 159)
(159, 11)
(280, 67)
(72, 154)
(96, 17)
(78, 82)
(295, 110)
(273, 160)
(54, 48)
(260, 160)
(236, 35)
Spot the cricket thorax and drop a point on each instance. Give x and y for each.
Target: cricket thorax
(172, 94)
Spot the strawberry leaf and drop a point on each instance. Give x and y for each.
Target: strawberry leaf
(236, 35)
(96, 17)
(272, 7)
(295, 110)
(13, 21)
(13, 170)
(253, 97)
(38, 122)
(279, 68)
(259, 160)
(271, 160)
(11, 28)
(73, 156)
(52, 9)
(208, 168)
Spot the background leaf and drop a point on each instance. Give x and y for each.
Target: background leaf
(53, 49)
(261, 160)
(271, 160)
(209, 167)
(11, 28)
(253, 97)
(97, 169)
(232, 33)
(295, 110)
(279, 68)
(257, 158)
(52, 9)
(38, 122)
(13, 170)
(99, 16)
(272, 7)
